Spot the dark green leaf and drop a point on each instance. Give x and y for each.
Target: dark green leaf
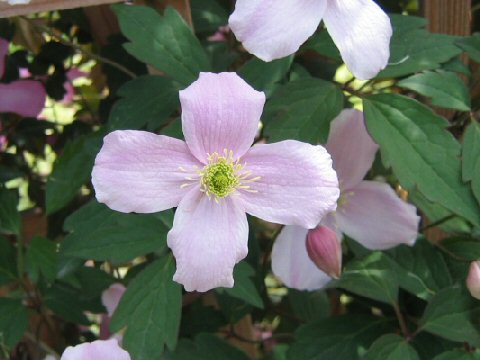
(433, 84)
(263, 75)
(415, 141)
(302, 110)
(208, 15)
(309, 305)
(166, 42)
(454, 315)
(339, 337)
(391, 347)
(13, 321)
(67, 302)
(41, 258)
(471, 45)
(462, 247)
(471, 157)
(9, 216)
(150, 309)
(458, 355)
(98, 233)
(323, 44)
(8, 264)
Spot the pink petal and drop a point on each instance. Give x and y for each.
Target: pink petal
(377, 218)
(75, 73)
(352, 148)
(111, 297)
(207, 240)
(324, 249)
(100, 349)
(272, 29)
(24, 97)
(220, 111)
(3, 55)
(361, 31)
(137, 171)
(290, 261)
(297, 184)
(473, 279)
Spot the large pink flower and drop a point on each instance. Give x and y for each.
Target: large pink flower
(368, 211)
(100, 349)
(214, 178)
(22, 97)
(272, 29)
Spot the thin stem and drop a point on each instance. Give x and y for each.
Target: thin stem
(438, 222)
(402, 322)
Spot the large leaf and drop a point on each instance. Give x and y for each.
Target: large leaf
(458, 355)
(71, 170)
(391, 347)
(471, 45)
(262, 75)
(165, 42)
(302, 110)
(421, 151)
(13, 321)
(8, 264)
(309, 305)
(150, 309)
(145, 100)
(454, 315)
(463, 248)
(9, 216)
(471, 157)
(41, 258)
(373, 276)
(432, 84)
(98, 233)
(339, 337)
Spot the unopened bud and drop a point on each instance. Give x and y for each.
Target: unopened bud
(325, 251)
(473, 279)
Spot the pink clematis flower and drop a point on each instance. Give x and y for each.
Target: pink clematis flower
(71, 75)
(368, 211)
(100, 349)
(22, 97)
(272, 29)
(214, 178)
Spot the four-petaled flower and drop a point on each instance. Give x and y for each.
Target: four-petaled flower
(215, 178)
(272, 29)
(368, 211)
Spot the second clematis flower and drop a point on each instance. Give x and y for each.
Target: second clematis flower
(272, 29)
(214, 178)
(370, 212)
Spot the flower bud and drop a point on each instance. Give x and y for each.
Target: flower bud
(325, 251)
(473, 279)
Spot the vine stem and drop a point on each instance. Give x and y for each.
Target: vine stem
(402, 322)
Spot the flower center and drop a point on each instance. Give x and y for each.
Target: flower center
(219, 178)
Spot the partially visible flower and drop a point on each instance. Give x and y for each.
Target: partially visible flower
(71, 75)
(220, 34)
(324, 249)
(3, 139)
(215, 178)
(272, 29)
(100, 349)
(370, 212)
(473, 279)
(22, 97)
(110, 299)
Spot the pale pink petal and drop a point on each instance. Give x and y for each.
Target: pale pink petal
(24, 97)
(3, 55)
(100, 349)
(290, 261)
(297, 184)
(207, 240)
(137, 171)
(272, 29)
(75, 73)
(351, 147)
(220, 111)
(376, 217)
(361, 31)
(111, 297)
(473, 279)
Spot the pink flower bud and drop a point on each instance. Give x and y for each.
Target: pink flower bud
(325, 251)
(473, 279)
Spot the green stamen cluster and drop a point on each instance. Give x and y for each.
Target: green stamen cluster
(219, 178)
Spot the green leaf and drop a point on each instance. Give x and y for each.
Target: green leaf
(471, 44)
(8, 263)
(165, 42)
(302, 110)
(41, 258)
(422, 153)
(373, 276)
(263, 75)
(454, 315)
(309, 305)
(413, 49)
(13, 321)
(145, 100)
(9, 215)
(433, 84)
(68, 302)
(323, 44)
(98, 233)
(471, 157)
(391, 347)
(428, 345)
(339, 337)
(208, 15)
(461, 247)
(71, 170)
(244, 288)
(150, 309)
(458, 355)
